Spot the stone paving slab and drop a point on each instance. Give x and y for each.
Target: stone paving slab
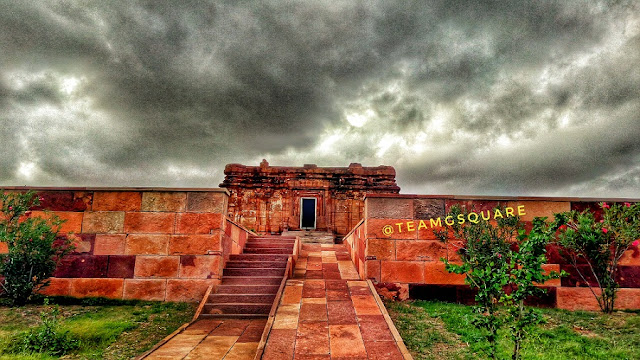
(228, 339)
(327, 312)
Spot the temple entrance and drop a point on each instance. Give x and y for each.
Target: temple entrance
(308, 213)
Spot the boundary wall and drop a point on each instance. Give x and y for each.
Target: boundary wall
(405, 262)
(149, 244)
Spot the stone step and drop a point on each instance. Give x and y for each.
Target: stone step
(254, 272)
(241, 298)
(248, 289)
(267, 245)
(251, 280)
(233, 316)
(256, 264)
(259, 257)
(268, 251)
(237, 308)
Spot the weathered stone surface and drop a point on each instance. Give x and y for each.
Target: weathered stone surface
(576, 298)
(429, 250)
(372, 268)
(424, 209)
(393, 291)
(72, 220)
(402, 271)
(4, 248)
(188, 290)
(145, 289)
(117, 201)
(435, 273)
(109, 244)
(149, 222)
(147, 244)
(200, 266)
(57, 287)
(380, 249)
(121, 266)
(82, 266)
(194, 244)
(267, 198)
(212, 202)
(157, 266)
(64, 200)
(540, 208)
(389, 208)
(103, 222)
(84, 243)
(109, 288)
(164, 201)
(198, 223)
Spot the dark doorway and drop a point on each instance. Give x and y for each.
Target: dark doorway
(308, 213)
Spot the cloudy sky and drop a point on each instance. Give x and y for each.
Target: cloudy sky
(461, 97)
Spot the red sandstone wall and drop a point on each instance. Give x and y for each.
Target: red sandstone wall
(142, 244)
(411, 258)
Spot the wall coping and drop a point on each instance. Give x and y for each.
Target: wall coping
(494, 197)
(119, 189)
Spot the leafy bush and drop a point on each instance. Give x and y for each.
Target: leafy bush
(34, 247)
(504, 265)
(594, 248)
(46, 338)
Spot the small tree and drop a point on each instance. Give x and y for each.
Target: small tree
(503, 275)
(34, 249)
(594, 248)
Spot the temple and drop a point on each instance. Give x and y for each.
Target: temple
(273, 199)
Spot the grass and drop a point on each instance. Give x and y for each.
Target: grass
(105, 329)
(437, 330)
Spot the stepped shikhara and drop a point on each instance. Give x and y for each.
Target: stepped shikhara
(250, 280)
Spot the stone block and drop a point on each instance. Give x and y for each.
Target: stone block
(109, 244)
(402, 271)
(109, 288)
(57, 287)
(630, 257)
(84, 243)
(63, 201)
(200, 266)
(117, 201)
(103, 222)
(195, 244)
(372, 268)
(198, 223)
(575, 298)
(121, 266)
(424, 209)
(209, 202)
(4, 248)
(388, 208)
(164, 201)
(628, 276)
(435, 273)
(188, 290)
(419, 250)
(72, 220)
(145, 289)
(381, 249)
(82, 266)
(141, 222)
(147, 244)
(534, 209)
(547, 268)
(473, 205)
(156, 266)
(628, 299)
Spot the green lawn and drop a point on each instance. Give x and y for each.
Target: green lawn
(437, 330)
(105, 329)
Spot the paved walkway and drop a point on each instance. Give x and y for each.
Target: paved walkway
(228, 339)
(328, 313)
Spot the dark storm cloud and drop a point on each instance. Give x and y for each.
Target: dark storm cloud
(138, 93)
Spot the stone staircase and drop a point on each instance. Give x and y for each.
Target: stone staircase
(312, 236)
(251, 280)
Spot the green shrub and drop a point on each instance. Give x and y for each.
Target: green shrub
(47, 338)
(34, 247)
